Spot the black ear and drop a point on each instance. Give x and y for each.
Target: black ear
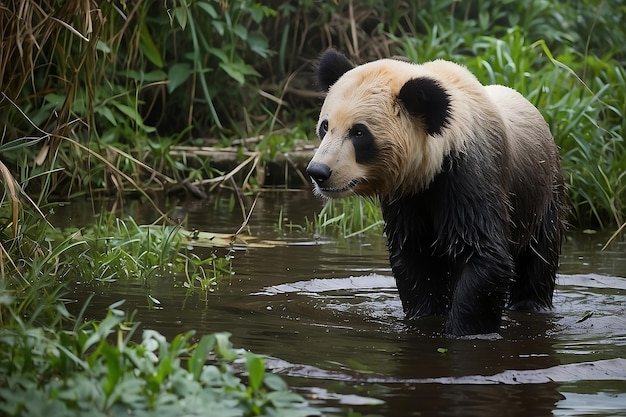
(332, 65)
(426, 98)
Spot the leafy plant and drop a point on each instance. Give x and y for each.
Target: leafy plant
(56, 364)
(217, 53)
(80, 115)
(95, 369)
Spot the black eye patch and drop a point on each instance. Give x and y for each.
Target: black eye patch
(323, 129)
(365, 147)
(359, 131)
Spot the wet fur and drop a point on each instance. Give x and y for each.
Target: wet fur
(469, 182)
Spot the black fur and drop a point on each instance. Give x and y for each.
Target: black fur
(332, 65)
(425, 98)
(451, 246)
(536, 241)
(323, 129)
(365, 148)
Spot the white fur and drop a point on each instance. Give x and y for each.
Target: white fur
(410, 158)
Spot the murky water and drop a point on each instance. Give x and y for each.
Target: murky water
(328, 317)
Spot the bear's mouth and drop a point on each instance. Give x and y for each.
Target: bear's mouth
(337, 192)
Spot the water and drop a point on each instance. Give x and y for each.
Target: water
(327, 315)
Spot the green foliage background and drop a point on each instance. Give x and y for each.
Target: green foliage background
(91, 88)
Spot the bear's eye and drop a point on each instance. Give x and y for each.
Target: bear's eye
(323, 129)
(358, 131)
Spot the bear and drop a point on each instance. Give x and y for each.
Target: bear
(468, 178)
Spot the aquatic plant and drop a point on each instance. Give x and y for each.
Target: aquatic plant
(56, 364)
(348, 217)
(107, 368)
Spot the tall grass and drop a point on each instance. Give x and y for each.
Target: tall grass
(92, 89)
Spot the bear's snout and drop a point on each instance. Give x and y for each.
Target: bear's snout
(318, 172)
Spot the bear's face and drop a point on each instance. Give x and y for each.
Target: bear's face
(378, 128)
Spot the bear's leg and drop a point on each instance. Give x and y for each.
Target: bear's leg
(422, 283)
(427, 294)
(479, 297)
(536, 266)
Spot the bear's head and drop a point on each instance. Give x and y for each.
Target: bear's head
(383, 127)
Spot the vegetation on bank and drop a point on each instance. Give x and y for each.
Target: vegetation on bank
(99, 96)
(96, 95)
(54, 363)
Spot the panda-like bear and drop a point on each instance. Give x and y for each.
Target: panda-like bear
(468, 177)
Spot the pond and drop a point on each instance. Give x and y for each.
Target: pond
(326, 313)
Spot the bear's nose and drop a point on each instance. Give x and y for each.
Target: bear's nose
(319, 172)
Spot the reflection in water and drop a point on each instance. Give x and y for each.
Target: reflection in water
(328, 317)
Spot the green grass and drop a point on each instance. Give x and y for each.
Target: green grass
(348, 217)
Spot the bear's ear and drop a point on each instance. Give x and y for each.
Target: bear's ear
(426, 98)
(332, 65)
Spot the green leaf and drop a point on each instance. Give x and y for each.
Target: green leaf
(55, 99)
(233, 72)
(219, 54)
(104, 328)
(219, 27)
(257, 14)
(200, 355)
(135, 116)
(223, 347)
(256, 370)
(275, 383)
(241, 32)
(208, 9)
(258, 43)
(177, 75)
(180, 14)
(102, 46)
(106, 112)
(148, 47)
(238, 70)
(114, 371)
(285, 399)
